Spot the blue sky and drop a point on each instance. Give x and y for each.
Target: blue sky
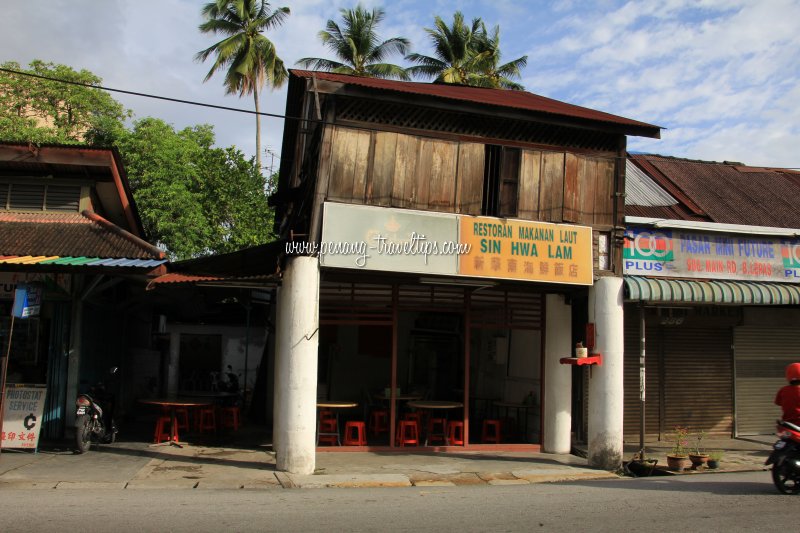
(720, 75)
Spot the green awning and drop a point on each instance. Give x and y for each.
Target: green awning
(639, 288)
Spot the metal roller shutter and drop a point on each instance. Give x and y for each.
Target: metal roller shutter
(697, 379)
(762, 354)
(631, 383)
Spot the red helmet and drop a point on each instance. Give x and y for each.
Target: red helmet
(793, 372)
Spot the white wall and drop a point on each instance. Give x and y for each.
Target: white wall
(233, 346)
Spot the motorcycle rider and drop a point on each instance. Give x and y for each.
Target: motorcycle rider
(788, 397)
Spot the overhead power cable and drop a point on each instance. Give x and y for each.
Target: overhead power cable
(145, 95)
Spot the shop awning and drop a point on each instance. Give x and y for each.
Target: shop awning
(640, 288)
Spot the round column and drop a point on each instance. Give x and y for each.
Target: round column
(557, 377)
(296, 352)
(606, 397)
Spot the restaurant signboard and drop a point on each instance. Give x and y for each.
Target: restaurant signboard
(402, 240)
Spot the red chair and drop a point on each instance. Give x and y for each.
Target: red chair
(408, 433)
(230, 417)
(455, 433)
(379, 421)
(327, 432)
(208, 420)
(437, 430)
(182, 417)
(355, 433)
(491, 431)
(163, 426)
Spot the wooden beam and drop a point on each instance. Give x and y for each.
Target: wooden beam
(56, 155)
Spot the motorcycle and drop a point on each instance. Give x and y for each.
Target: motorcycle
(94, 421)
(785, 458)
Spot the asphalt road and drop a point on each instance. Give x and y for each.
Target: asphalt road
(709, 502)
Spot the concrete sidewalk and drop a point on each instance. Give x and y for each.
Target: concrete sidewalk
(137, 465)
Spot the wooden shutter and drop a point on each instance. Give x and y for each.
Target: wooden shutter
(350, 156)
(551, 196)
(529, 184)
(469, 179)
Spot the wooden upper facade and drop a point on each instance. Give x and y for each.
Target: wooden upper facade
(449, 149)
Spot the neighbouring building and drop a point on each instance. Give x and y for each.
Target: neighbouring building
(68, 223)
(712, 294)
(383, 187)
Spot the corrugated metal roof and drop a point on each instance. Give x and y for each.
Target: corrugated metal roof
(639, 288)
(44, 260)
(479, 95)
(641, 190)
(728, 193)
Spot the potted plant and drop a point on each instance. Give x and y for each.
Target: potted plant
(699, 457)
(714, 457)
(678, 458)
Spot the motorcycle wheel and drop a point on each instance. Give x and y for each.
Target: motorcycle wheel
(83, 433)
(785, 479)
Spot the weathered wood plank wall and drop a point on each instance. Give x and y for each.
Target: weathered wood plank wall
(398, 170)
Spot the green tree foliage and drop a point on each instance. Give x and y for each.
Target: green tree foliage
(466, 54)
(44, 111)
(358, 48)
(194, 199)
(247, 56)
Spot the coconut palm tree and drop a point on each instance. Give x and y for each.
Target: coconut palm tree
(357, 46)
(494, 74)
(466, 54)
(247, 56)
(453, 47)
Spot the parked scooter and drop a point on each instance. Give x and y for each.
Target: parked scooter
(785, 458)
(94, 420)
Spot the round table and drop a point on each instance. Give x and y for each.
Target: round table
(436, 404)
(334, 406)
(172, 404)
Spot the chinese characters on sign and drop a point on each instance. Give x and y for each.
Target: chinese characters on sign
(517, 249)
(403, 240)
(22, 418)
(658, 252)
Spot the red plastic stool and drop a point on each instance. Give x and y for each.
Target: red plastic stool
(491, 431)
(230, 417)
(436, 430)
(208, 420)
(327, 431)
(355, 433)
(163, 425)
(182, 417)
(455, 433)
(379, 421)
(408, 433)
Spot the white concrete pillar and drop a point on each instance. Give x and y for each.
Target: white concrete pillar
(606, 395)
(557, 377)
(173, 367)
(296, 353)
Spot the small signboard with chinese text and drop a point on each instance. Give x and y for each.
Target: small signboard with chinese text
(23, 406)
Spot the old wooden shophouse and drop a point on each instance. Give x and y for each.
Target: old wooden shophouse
(447, 247)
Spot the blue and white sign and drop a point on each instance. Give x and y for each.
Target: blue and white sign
(27, 300)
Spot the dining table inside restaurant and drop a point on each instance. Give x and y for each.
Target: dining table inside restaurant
(173, 404)
(425, 405)
(335, 406)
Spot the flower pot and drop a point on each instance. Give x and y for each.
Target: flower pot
(698, 460)
(678, 463)
(713, 463)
